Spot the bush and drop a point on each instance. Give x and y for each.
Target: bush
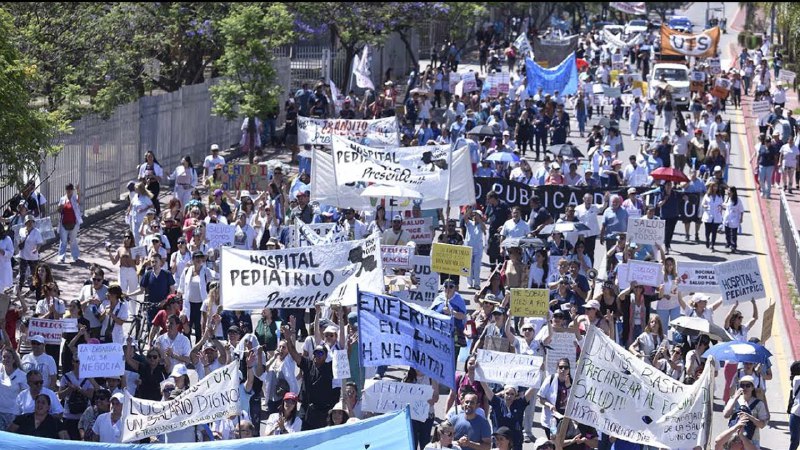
(759, 41)
(742, 38)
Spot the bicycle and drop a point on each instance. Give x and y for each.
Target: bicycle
(141, 326)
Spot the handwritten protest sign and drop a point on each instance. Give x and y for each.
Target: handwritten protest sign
(297, 277)
(101, 360)
(419, 229)
(761, 108)
(508, 368)
(696, 277)
(220, 235)
(622, 276)
(561, 346)
(622, 396)
(454, 79)
(612, 92)
(50, 329)
(379, 132)
(646, 231)
(214, 397)
(382, 396)
(451, 259)
(530, 302)
(341, 365)
(427, 282)
(470, 84)
(138, 252)
(396, 256)
(645, 273)
(243, 176)
(409, 335)
(714, 65)
(69, 325)
(308, 234)
(740, 280)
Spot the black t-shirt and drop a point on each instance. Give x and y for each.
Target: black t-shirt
(49, 427)
(150, 388)
(497, 215)
(317, 384)
(504, 416)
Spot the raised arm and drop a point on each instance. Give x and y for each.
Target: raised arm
(755, 315)
(288, 332)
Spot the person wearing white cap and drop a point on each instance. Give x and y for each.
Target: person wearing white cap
(745, 403)
(41, 361)
(108, 426)
(211, 161)
(698, 307)
(591, 315)
(396, 235)
(30, 239)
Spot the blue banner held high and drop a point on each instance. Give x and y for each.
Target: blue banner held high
(393, 332)
(562, 78)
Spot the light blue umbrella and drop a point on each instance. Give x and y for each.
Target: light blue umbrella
(739, 352)
(506, 157)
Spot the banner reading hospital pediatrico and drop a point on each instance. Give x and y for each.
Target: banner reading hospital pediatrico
(740, 280)
(379, 132)
(214, 397)
(620, 395)
(393, 332)
(676, 43)
(297, 277)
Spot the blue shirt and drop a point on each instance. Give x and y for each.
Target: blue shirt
(615, 221)
(476, 429)
(157, 286)
(456, 303)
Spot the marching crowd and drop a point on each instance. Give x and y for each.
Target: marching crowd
(166, 285)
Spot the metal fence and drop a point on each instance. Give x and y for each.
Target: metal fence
(791, 239)
(103, 155)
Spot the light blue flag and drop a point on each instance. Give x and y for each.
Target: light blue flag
(387, 432)
(562, 78)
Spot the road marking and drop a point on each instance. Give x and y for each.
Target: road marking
(759, 236)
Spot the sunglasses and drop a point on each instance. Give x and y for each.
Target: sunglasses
(319, 353)
(527, 329)
(745, 385)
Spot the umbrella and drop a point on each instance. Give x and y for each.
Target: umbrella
(565, 150)
(697, 325)
(605, 122)
(506, 157)
(379, 190)
(669, 174)
(739, 352)
(511, 243)
(484, 130)
(422, 91)
(531, 243)
(563, 227)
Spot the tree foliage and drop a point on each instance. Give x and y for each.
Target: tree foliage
(26, 132)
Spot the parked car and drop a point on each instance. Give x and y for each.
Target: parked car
(636, 26)
(676, 76)
(680, 23)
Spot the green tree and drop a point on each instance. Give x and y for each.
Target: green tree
(26, 132)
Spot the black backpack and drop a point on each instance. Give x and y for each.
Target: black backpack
(750, 428)
(77, 402)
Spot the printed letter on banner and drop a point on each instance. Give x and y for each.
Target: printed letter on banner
(697, 277)
(530, 302)
(384, 396)
(427, 286)
(409, 336)
(622, 396)
(646, 231)
(213, 398)
(740, 280)
(508, 368)
(451, 259)
(298, 277)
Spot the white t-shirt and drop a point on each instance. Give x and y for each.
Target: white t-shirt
(588, 217)
(789, 155)
(10, 387)
(26, 403)
(43, 363)
(293, 427)
(88, 292)
(180, 346)
(33, 239)
(121, 311)
(43, 306)
(107, 430)
(210, 162)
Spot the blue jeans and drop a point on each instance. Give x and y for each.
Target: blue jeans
(581, 116)
(794, 431)
(72, 236)
(666, 315)
(269, 134)
(765, 179)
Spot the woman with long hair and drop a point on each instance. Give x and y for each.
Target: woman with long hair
(636, 309)
(16, 383)
(185, 179)
(668, 306)
(422, 430)
(337, 415)
(467, 380)
(151, 173)
(732, 218)
(41, 277)
(443, 437)
(114, 313)
(649, 341)
(141, 202)
(539, 270)
(553, 396)
(285, 420)
(738, 331)
(74, 311)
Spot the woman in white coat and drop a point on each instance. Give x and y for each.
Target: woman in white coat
(712, 213)
(185, 180)
(732, 218)
(636, 117)
(141, 201)
(6, 253)
(475, 234)
(553, 397)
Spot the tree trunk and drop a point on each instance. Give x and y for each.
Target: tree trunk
(350, 53)
(409, 51)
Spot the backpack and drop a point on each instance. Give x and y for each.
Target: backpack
(76, 402)
(68, 217)
(750, 428)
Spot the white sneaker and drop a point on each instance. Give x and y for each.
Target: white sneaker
(61, 259)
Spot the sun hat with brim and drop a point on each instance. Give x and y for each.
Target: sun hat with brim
(29, 218)
(747, 379)
(592, 304)
(179, 370)
(331, 329)
(339, 407)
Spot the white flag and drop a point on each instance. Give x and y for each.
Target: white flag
(362, 71)
(337, 101)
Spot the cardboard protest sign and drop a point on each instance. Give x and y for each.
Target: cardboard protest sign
(50, 329)
(409, 336)
(530, 302)
(508, 368)
(721, 88)
(645, 273)
(220, 235)
(396, 256)
(451, 259)
(101, 360)
(740, 280)
(297, 277)
(761, 108)
(787, 75)
(379, 132)
(420, 229)
(382, 396)
(697, 81)
(766, 325)
(427, 282)
(696, 277)
(561, 346)
(646, 231)
(214, 397)
(243, 176)
(341, 365)
(622, 396)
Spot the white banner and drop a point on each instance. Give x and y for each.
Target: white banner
(622, 276)
(308, 234)
(622, 396)
(635, 8)
(427, 283)
(101, 360)
(740, 280)
(49, 329)
(379, 132)
(523, 45)
(396, 256)
(297, 277)
(220, 235)
(645, 273)
(561, 346)
(361, 70)
(646, 231)
(761, 108)
(214, 397)
(326, 190)
(697, 277)
(508, 368)
(384, 396)
(420, 229)
(470, 84)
